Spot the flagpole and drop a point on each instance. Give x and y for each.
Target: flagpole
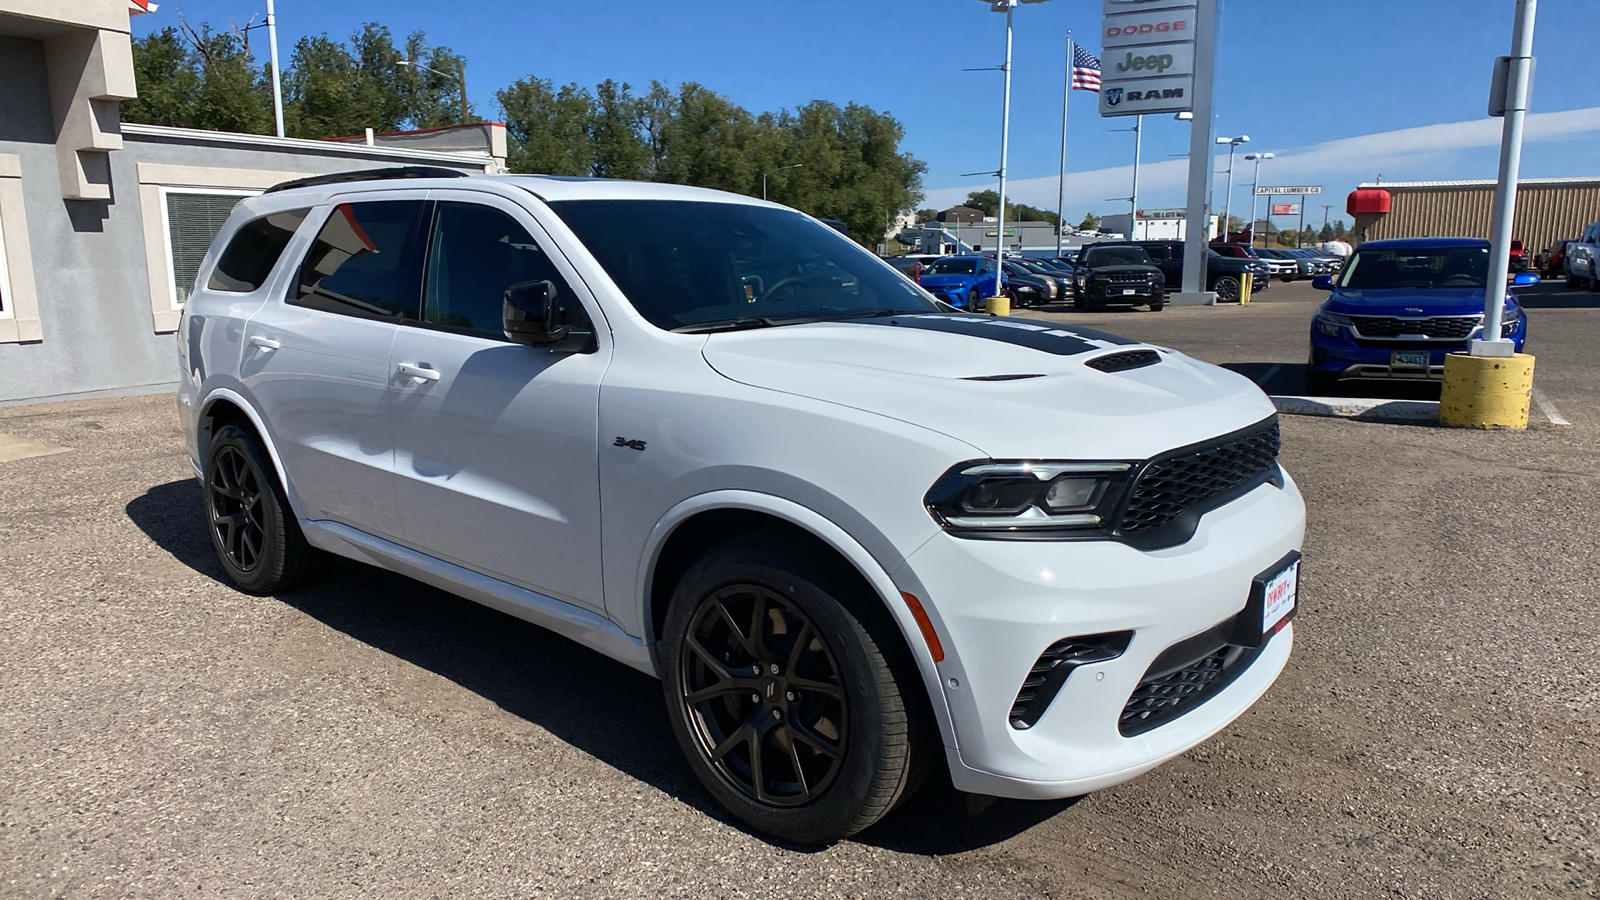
(1061, 183)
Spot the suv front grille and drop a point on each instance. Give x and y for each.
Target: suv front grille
(1440, 327)
(1127, 278)
(1196, 479)
(1167, 695)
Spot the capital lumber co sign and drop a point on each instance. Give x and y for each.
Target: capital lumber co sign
(1148, 60)
(1298, 189)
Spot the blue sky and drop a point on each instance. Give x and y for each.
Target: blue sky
(1341, 91)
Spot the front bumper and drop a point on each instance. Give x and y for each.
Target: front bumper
(1344, 359)
(999, 604)
(1120, 293)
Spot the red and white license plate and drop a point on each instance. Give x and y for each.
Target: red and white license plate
(1278, 598)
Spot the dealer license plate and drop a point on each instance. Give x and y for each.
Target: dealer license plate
(1409, 359)
(1278, 598)
(1128, 292)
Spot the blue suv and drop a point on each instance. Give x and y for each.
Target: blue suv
(961, 281)
(1399, 306)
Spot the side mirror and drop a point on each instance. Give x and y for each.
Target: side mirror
(1524, 278)
(1323, 282)
(529, 313)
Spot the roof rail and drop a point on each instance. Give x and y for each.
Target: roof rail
(369, 175)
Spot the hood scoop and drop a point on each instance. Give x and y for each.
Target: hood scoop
(1124, 360)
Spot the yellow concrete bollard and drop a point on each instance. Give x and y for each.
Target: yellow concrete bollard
(1247, 283)
(1000, 306)
(1486, 391)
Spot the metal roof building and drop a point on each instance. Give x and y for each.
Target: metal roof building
(1548, 209)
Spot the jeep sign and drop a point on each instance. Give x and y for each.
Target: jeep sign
(1148, 61)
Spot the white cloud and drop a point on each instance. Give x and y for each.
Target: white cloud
(1362, 156)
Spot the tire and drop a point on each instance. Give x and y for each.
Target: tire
(1158, 304)
(253, 531)
(1572, 280)
(851, 703)
(972, 300)
(1079, 301)
(1227, 288)
(1016, 302)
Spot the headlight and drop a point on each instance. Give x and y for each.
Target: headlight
(1028, 499)
(1330, 323)
(1509, 320)
(1027, 289)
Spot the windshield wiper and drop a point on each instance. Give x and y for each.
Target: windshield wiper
(736, 324)
(866, 314)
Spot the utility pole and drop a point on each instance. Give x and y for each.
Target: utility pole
(1138, 135)
(1517, 71)
(461, 76)
(277, 75)
(1061, 182)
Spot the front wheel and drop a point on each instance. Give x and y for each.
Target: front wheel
(1158, 304)
(1227, 288)
(972, 299)
(781, 697)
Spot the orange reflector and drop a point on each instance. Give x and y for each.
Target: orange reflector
(928, 634)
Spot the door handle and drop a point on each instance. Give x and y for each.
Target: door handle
(421, 373)
(264, 343)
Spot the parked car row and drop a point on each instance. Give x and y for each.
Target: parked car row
(1309, 263)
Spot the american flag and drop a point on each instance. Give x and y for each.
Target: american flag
(1085, 69)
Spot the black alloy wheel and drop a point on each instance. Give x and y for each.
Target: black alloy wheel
(254, 532)
(1227, 288)
(972, 300)
(764, 696)
(237, 520)
(790, 692)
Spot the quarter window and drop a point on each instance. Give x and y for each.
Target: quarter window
(475, 253)
(358, 264)
(253, 251)
(193, 220)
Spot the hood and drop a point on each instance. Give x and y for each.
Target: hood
(952, 280)
(1135, 268)
(1014, 388)
(1408, 301)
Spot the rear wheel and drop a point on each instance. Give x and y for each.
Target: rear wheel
(781, 697)
(1227, 288)
(253, 530)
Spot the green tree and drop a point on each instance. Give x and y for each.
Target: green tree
(1325, 233)
(927, 215)
(548, 128)
(168, 80)
(616, 133)
(1090, 222)
(232, 95)
(989, 201)
(334, 89)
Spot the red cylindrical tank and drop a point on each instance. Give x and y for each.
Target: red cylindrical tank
(1372, 201)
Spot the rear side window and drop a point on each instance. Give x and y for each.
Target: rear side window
(254, 250)
(360, 265)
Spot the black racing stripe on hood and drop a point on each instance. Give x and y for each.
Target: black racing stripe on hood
(1028, 333)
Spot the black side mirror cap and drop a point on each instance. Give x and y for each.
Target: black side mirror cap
(529, 314)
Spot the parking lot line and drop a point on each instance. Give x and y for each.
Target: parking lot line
(1548, 408)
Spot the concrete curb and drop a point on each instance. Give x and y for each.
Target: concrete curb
(1369, 410)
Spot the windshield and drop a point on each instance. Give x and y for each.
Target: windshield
(1116, 256)
(959, 266)
(684, 263)
(1426, 267)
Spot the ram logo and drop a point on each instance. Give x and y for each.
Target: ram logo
(1113, 96)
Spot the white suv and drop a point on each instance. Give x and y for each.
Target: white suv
(855, 535)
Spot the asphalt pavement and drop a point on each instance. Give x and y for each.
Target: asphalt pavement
(163, 735)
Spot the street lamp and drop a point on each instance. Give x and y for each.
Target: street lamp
(1254, 183)
(1005, 6)
(460, 77)
(774, 172)
(1227, 203)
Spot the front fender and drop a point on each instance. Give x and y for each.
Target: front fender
(834, 536)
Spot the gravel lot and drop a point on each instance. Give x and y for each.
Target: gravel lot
(162, 735)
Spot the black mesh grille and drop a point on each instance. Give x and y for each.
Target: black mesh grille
(1160, 699)
(1128, 277)
(1446, 327)
(1127, 359)
(1172, 485)
(1050, 672)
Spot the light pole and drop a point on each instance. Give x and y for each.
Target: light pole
(277, 74)
(1227, 202)
(460, 77)
(1255, 183)
(774, 172)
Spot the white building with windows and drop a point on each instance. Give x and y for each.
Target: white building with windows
(103, 225)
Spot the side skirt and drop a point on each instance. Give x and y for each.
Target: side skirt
(574, 622)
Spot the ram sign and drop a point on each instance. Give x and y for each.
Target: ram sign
(1147, 65)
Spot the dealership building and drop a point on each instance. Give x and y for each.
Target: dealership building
(1548, 209)
(104, 225)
